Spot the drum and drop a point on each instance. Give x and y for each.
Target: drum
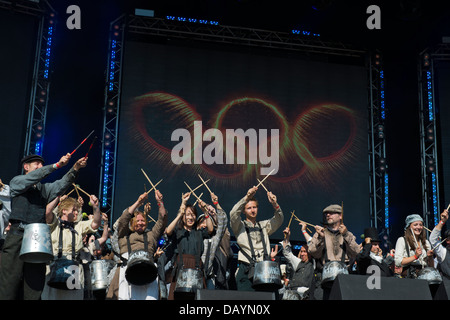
(100, 270)
(267, 276)
(331, 270)
(430, 274)
(64, 274)
(188, 282)
(291, 294)
(141, 269)
(36, 244)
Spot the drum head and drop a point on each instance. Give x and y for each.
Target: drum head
(141, 273)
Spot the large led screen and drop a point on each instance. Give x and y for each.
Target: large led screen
(234, 115)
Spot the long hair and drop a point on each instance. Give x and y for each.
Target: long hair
(194, 211)
(133, 220)
(412, 242)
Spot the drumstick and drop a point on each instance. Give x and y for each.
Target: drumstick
(439, 244)
(148, 178)
(151, 218)
(290, 220)
(263, 185)
(154, 186)
(205, 184)
(197, 199)
(448, 208)
(82, 142)
(417, 244)
(309, 224)
(70, 192)
(192, 191)
(76, 189)
(95, 138)
(260, 182)
(200, 186)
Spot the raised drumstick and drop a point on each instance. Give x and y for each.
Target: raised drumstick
(263, 185)
(205, 184)
(192, 191)
(260, 182)
(148, 178)
(82, 142)
(154, 186)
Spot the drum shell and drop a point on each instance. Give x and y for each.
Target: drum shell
(430, 274)
(36, 244)
(141, 269)
(331, 270)
(189, 280)
(61, 270)
(267, 276)
(291, 294)
(100, 270)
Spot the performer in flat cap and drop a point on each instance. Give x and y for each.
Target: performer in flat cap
(29, 199)
(333, 242)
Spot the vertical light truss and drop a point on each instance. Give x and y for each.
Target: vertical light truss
(111, 113)
(39, 94)
(428, 136)
(378, 175)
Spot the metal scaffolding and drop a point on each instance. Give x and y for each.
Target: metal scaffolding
(37, 108)
(428, 136)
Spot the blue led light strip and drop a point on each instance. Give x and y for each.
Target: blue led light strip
(193, 20)
(105, 180)
(430, 97)
(305, 33)
(386, 201)
(48, 52)
(383, 110)
(435, 206)
(112, 64)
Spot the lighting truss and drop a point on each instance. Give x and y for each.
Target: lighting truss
(428, 141)
(37, 108)
(378, 173)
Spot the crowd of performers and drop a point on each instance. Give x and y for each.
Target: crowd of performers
(128, 262)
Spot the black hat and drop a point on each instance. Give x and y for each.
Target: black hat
(31, 158)
(371, 233)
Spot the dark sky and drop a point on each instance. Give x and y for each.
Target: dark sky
(407, 28)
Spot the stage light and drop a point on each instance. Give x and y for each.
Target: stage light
(48, 52)
(426, 60)
(38, 148)
(380, 129)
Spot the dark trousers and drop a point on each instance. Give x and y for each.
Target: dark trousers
(243, 283)
(19, 280)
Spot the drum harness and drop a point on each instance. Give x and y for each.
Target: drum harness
(252, 259)
(66, 225)
(129, 248)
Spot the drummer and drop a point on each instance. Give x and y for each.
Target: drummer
(441, 252)
(132, 226)
(187, 241)
(29, 198)
(413, 250)
(73, 231)
(252, 236)
(302, 276)
(333, 242)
